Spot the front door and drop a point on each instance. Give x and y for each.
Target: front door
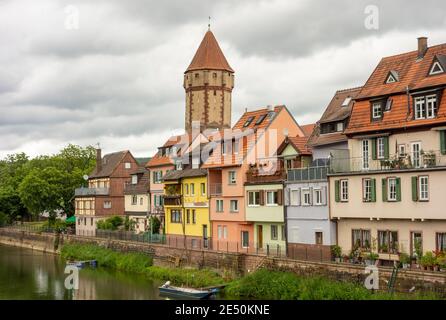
(260, 236)
(416, 154)
(205, 235)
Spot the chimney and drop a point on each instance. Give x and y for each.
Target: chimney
(422, 47)
(98, 160)
(270, 107)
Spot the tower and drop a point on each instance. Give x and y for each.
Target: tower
(208, 82)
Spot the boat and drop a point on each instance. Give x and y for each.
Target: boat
(181, 292)
(82, 264)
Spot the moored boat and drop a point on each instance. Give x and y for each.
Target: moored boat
(191, 293)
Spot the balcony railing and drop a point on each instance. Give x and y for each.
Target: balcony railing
(172, 200)
(215, 189)
(91, 192)
(412, 161)
(307, 174)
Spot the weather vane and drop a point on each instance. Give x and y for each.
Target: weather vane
(209, 24)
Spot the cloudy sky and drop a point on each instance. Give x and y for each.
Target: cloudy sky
(114, 76)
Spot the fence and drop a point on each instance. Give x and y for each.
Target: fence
(308, 174)
(131, 236)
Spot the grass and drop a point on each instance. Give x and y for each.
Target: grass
(278, 285)
(142, 264)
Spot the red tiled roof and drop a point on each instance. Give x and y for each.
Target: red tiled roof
(308, 129)
(412, 73)
(209, 55)
(256, 115)
(300, 143)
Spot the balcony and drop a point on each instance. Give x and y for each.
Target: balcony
(413, 161)
(215, 189)
(172, 200)
(308, 174)
(255, 176)
(82, 192)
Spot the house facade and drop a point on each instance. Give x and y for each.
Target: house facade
(137, 200)
(104, 195)
(387, 195)
(186, 207)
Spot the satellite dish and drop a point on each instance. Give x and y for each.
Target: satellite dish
(85, 177)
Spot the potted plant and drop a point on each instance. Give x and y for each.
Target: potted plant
(441, 260)
(428, 261)
(405, 260)
(336, 252)
(428, 158)
(370, 258)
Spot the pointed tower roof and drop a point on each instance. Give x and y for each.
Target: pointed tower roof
(209, 55)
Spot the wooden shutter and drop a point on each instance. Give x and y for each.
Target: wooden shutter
(337, 190)
(280, 197)
(373, 190)
(386, 147)
(262, 197)
(398, 189)
(443, 141)
(374, 142)
(415, 188)
(384, 189)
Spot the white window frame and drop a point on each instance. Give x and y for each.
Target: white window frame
(402, 150)
(344, 190)
(420, 108)
(107, 204)
(416, 154)
(127, 165)
(268, 203)
(423, 182)
(253, 195)
(219, 205)
(432, 72)
(380, 148)
(192, 189)
(294, 195)
(274, 226)
(220, 232)
(203, 188)
(179, 165)
(367, 189)
(365, 148)
(431, 106)
(232, 177)
(134, 200)
(376, 110)
(186, 189)
(134, 179)
(231, 207)
(317, 198)
(391, 189)
(340, 126)
(242, 233)
(306, 192)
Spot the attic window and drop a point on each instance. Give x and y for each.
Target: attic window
(214, 75)
(346, 102)
(197, 75)
(436, 68)
(260, 120)
(127, 165)
(248, 121)
(389, 103)
(392, 77)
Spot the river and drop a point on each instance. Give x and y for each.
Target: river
(29, 274)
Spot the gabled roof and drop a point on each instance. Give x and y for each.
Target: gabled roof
(209, 56)
(333, 113)
(109, 163)
(299, 144)
(414, 75)
(186, 173)
(412, 72)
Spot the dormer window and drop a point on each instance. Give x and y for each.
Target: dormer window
(340, 126)
(346, 102)
(392, 77)
(436, 69)
(389, 103)
(248, 121)
(376, 110)
(179, 165)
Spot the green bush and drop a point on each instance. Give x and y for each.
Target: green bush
(4, 219)
(336, 251)
(428, 259)
(190, 277)
(132, 262)
(112, 223)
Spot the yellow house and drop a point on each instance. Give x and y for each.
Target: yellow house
(186, 206)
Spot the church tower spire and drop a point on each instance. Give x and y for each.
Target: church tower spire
(208, 82)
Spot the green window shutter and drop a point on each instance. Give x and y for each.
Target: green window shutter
(415, 188)
(374, 157)
(398, 189)
(337, 190)
(386, 147)
(443, 141)
(373, 187)
(384, 189)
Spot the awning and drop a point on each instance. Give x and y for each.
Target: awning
(71, 219)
